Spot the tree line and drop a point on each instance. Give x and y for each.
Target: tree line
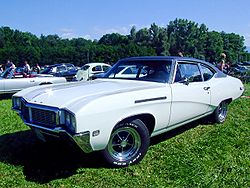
(180, 35)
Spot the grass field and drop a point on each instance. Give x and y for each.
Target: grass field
(196, 155)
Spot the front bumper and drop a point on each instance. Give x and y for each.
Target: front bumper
(42, 131)
(82, 140)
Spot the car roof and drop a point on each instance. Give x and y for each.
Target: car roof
(175, 58)
(96, 63)
(62, 64)
(168, 58)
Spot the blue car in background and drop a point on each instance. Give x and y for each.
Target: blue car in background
(61, 70)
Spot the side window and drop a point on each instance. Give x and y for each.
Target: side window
(97, 68)
(70, 67)
(53, 70)
(189, 71)
(105, 68)
(85, 67)
(128, 71)
(61, 69)
(207, 73)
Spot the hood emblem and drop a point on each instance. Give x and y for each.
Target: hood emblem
(49, 92)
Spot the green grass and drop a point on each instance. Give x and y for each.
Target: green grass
(196, 155)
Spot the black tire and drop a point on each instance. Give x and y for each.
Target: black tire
(220, 113)
(127, 145)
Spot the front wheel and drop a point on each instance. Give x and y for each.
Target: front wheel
(128, 144)
(220, 112)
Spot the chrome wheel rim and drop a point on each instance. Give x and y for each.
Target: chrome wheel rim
(124, 143)
(222, 111)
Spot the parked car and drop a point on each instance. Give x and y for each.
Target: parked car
(61, 70)
(127, 72)
(11, 84)
(90, 69)
(239, 69)
(117, 115)
(247, 64)
(18, 72)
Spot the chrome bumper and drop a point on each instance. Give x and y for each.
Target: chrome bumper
(82, 140)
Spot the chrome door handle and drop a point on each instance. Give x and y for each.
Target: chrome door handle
(32, 80)
(206, 88)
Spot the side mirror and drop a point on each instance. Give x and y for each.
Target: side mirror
(184, 81)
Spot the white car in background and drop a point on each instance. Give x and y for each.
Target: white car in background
(127, 72)
(11, 84)
(90, 69)
(117, 115)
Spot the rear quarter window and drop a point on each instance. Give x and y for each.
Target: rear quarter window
(207, 72)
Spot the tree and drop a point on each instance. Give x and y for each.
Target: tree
(233, 46)
(213, 46)
(132, 35)
(113, 39)
(159, 39)
(187, 37)
(180, 35)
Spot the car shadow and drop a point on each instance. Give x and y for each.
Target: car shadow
(177, 131)
(44, 162)
(5, 96)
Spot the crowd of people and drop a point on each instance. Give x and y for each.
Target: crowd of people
(9, 69)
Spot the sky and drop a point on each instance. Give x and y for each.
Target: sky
(91, 19)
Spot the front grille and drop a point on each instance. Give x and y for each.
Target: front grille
(38, 115)
(43, 117)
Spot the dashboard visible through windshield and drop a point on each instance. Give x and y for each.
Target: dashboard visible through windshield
(154, 71)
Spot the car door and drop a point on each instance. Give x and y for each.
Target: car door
(190, 94)
(17, 84)
(61, 71)
(2, 85)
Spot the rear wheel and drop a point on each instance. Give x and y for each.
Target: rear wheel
(220, 112)
(128, 144)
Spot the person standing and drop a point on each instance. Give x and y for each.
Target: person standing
(222, 64)
(26, 67)
(180, 54)
(1, 68)
(10, 67)
(37, 68)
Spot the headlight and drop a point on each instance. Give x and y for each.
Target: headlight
(69, 120)
(16, 103)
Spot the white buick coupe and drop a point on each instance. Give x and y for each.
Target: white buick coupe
(116, 114)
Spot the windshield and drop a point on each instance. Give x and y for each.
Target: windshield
(85, 67)
(8, 73)
(47, 70)
(145, 70)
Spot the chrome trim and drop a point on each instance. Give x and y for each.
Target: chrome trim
(30, 113)
(168, 128)
(82, 140)
(39, 107)
(124, 148)
(150, 99)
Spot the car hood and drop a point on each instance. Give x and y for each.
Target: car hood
(65, 95)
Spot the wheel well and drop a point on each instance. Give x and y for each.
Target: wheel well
(228, 101)
(147, 119)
